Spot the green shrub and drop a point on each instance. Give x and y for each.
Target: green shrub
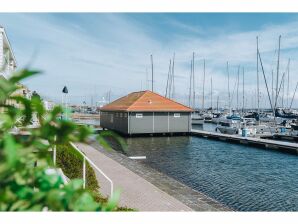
(71, 162)
(24, 186)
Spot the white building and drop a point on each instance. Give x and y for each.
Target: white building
(48, 104)
(7, 59)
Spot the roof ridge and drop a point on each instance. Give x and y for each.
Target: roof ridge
(170, 99)
(138, 98)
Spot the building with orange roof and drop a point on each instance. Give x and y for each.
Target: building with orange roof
(146, 112)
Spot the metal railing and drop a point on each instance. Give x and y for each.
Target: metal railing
(84, 167)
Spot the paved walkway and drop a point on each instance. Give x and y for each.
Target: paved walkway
(136, 192)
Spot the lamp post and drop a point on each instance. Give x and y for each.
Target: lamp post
(84, 102)
(64, 99)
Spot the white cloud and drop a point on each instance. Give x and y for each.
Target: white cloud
(95, 53)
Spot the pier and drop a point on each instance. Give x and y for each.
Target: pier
(287, 147)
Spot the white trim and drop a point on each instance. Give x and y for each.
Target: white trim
(137, 157)
(177, 115)
(139, 115)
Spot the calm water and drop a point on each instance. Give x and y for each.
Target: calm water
(243, 178)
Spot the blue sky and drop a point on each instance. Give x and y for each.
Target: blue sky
(95, 53)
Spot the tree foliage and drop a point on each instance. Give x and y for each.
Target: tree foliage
(25, 183)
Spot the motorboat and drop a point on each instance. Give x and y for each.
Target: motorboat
(208, 117)
(218, 118)
(229, 126)
(234, 116)
(197, 119)
(282, 113)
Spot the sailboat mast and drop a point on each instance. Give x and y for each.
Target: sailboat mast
(294, 95)
(277, 71)
(243, 90)
(203, 100)
(258, 87)
(193, 81)
(211, 96)
(152, 71)
(146, 79)
(266, 83)
(229, 96)
(190, 85)
(173, 77)
(288, 85)
(169, 73)
(272, 85)
(238, 88)
(283, 91)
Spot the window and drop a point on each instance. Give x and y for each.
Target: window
(139, 115)
(176, 115)
(125, 114)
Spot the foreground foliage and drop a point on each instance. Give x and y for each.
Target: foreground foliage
(71, 162)
(25, 183)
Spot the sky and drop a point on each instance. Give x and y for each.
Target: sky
(93, 54)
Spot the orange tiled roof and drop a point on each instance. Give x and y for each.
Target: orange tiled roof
(145, 101)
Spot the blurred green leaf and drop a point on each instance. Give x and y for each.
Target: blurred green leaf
(26, 183)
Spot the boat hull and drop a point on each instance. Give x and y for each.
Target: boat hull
(197, 121)
(228, 130)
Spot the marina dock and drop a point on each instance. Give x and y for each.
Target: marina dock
(287, 147)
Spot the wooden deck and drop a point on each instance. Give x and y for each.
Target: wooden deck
(258, 142)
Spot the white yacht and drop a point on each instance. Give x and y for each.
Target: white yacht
(197, 119)
(228, 126)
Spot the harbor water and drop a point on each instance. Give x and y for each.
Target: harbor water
(242, 177)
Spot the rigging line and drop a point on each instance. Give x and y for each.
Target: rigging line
(281, 83)
(266, 82)
(168, 78)
(277, 70)
(294, 95)
(233, 93)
